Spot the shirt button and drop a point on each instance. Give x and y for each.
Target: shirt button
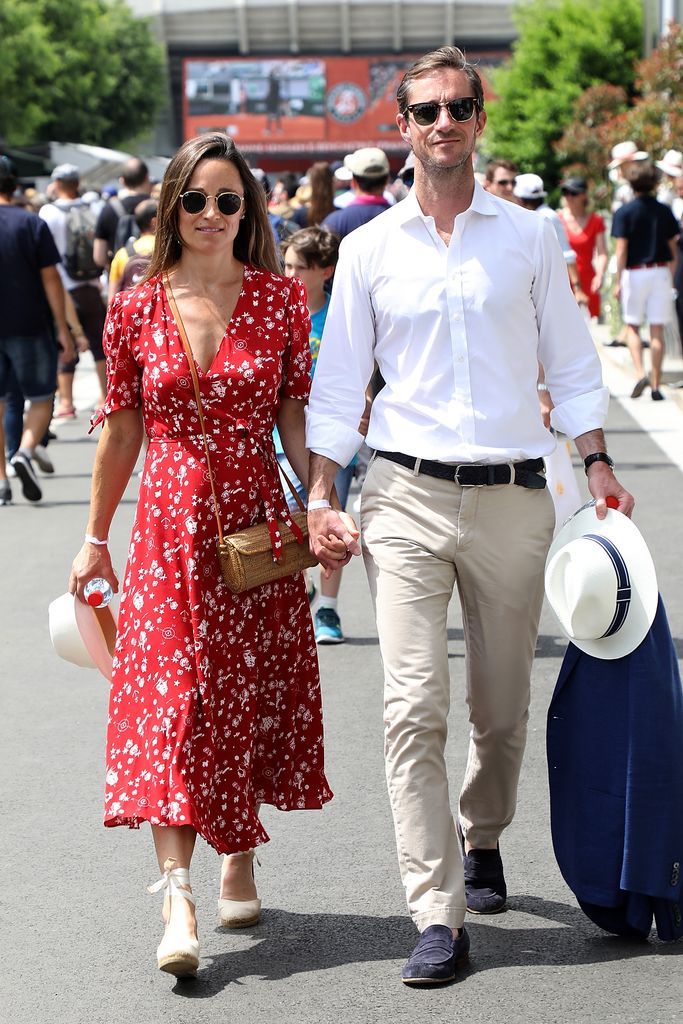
(457, 317)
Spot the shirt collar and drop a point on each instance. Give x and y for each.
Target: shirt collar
(482, 202)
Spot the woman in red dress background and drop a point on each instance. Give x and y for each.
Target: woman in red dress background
(586, 233)
(215, 700)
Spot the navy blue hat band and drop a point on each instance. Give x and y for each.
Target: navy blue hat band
(623, 601)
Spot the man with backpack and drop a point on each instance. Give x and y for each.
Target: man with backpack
(72, 224)
(130, 263)
(116, 222)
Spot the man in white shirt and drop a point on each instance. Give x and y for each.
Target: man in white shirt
(457, 296)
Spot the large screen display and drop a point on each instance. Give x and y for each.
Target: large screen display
(306, 102)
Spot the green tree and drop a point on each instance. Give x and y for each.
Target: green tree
(78, 71)
(563, 48)
(586, 141)
(602, 116)
(656, 118)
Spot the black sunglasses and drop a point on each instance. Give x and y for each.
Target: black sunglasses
(458, 110)
(195, 202)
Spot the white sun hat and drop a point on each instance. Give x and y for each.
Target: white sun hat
(625, 152)
(601, 583)
(671, 163)
(83, 635)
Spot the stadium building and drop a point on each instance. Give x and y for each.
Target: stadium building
(300, 80)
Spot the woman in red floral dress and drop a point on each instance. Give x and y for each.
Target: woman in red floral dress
(215, 700)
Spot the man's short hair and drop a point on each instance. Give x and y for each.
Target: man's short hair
(290, 183)
(493, 165)
(444, 57)
(8, 176)
(642, 178)
(145, 212)
(135, 173)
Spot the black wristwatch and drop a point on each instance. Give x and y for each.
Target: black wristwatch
(597, 457)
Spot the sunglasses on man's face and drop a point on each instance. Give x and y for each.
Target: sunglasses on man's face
(458, 110)
(194, 202)
(506, 182)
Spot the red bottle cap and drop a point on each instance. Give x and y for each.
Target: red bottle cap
(95, 598)
(612, 502)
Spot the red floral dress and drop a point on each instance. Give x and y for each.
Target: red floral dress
(215, 698)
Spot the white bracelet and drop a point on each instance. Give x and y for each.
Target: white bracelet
(320, 503)
(542, 387)
(89, 539)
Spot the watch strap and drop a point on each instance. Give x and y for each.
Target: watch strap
(598, 457)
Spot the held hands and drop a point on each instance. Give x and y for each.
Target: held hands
(333, 538)
(607, 491)
(90, 562)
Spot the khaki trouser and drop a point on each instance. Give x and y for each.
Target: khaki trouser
(421, 536)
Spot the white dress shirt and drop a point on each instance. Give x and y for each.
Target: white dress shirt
(457, 332)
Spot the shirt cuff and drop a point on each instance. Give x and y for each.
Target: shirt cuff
(579, 415)
(326, 436)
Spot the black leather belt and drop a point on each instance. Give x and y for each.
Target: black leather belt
(524, 474)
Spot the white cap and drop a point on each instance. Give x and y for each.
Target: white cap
(529, 186)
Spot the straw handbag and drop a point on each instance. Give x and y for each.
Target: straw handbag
(246, 557)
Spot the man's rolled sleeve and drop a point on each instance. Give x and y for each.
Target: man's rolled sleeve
(578, 415)
(328, 437)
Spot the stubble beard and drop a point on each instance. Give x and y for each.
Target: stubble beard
(451, 171)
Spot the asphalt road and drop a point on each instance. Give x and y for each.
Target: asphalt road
(79, 931)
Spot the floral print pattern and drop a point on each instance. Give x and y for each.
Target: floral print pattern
(215, 700)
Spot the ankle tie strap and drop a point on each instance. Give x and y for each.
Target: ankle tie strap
(172, 880)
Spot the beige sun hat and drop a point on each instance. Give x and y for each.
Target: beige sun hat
(83, 635)
(623, 152)
(601, 583)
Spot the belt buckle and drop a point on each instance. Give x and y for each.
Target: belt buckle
(456, 474)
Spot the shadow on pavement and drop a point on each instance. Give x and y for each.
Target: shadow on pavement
(292, 944)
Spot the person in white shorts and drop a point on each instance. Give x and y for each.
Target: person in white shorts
(646, 233)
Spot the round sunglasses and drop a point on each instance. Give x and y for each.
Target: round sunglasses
(194, 202)
(458, 110)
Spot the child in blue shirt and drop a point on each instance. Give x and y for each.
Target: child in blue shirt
(311, 255)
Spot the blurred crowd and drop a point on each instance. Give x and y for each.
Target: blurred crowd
(88, 244)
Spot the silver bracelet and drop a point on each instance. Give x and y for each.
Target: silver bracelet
(89, 539)
(319, 503)
(542, 387)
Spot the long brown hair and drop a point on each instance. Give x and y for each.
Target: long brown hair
(321, 181)
(254, 243)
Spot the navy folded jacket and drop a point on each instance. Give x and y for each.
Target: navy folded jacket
(615, 765)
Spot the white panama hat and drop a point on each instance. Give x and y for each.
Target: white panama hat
(671, 163)
(624, 152)
(601, 583)
(83, 635)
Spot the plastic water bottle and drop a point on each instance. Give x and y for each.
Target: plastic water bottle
(98, 592)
